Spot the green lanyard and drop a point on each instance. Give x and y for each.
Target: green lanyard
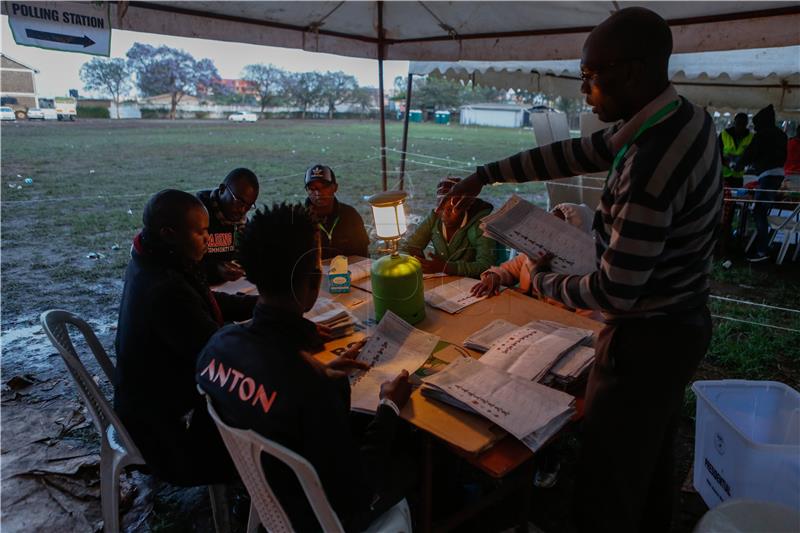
(649, 123)
(326, 232)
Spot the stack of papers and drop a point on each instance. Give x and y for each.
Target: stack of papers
(395, 345)
(482, 340)
(526, 228)
(573, 365)
(454, 296)
(358, 270)
(333, 315)
(529, 411)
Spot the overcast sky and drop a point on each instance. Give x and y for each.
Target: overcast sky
(58, 71)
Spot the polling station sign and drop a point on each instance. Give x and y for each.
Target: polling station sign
(83, 27)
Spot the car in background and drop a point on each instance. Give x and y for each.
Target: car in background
(6, 113)
(242, 116)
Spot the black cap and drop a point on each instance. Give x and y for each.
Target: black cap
(320, 173)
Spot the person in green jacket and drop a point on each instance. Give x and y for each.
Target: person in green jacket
(460, 249)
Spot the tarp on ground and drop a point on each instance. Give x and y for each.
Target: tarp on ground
(729, 80)
(454, 31)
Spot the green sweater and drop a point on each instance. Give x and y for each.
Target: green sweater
(468, 253)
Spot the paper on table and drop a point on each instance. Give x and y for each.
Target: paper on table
(529, 352)
(573, 363)
(358, 270)
(395, 345)
(240, 286)
(519, 406)
(454, 296)
(531, 230)
(483, 339)
(435, 275)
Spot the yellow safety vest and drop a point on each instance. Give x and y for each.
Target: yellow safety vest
(730, 149)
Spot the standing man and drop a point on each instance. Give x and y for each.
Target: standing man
(341, 227)
(655, 228)
(733, 141)
(227, 207)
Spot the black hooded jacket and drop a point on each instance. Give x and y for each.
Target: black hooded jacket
(768, 149)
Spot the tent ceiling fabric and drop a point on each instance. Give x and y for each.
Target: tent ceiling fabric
(735, 79)
(452, 31)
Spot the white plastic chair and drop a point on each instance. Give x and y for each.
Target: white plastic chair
(117, 450)
(246, 446)
(790, 226)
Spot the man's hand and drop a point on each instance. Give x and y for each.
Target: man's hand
(463, 193)
(229, 271)
(324, 332)
(489, 285)
(434, 265)
(543, 264)
(398, 390)
(347, 362)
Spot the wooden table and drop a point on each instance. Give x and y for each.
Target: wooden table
(473, 438)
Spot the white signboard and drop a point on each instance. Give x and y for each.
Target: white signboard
(68, 26)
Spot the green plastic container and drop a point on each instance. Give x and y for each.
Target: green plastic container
(415, 115)
(443, 117)
(397, 285)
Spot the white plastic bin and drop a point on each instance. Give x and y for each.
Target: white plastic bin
(747, 442)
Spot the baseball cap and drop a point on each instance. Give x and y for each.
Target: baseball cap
(320, 173)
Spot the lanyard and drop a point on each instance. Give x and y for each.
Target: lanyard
(326, 232)
(649, 123)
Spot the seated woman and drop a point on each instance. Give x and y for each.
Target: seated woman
(518, 270)
(166, 316)
(460, 249)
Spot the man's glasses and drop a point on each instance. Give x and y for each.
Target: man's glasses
(247, 206)
(591, 74)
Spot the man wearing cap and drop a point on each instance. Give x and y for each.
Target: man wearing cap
(227, 207)
(341, 227)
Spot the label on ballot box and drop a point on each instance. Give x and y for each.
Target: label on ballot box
(338, 275)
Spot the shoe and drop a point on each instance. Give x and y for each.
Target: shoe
(757, 257)
(544, 479)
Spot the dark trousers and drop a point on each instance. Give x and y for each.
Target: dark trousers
(633, 403)
(762, 208)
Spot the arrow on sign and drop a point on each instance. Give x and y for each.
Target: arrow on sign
(59, 37)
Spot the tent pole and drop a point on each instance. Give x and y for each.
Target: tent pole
(405, 132)
(384, 178)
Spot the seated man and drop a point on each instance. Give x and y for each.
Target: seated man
(166, 316)
(227, 207)
(260, 376)
(460, 249)
(342, 229)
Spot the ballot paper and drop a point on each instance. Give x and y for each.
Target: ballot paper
(573, 364)
(454, 296)
(483, 339)
(528, 229)
(530, 353)
(394, 346)
(529, 411)
(333, 315)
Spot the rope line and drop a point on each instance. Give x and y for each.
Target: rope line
(745, 302)
(756, 323)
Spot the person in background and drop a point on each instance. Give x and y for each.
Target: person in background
(518, 270)
(288, 396)
(342, 228)
(733, 141)
(459, 247)
(655, 232)
(767, 155)
(166, 316)
(227, 207)
(791, 169)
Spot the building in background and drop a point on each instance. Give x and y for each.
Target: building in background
(243, 87)
(17, 85)
(497, 115)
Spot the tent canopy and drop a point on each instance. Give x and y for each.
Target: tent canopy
(452, 31)
(730, 80)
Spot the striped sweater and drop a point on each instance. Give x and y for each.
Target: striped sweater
(656, 225)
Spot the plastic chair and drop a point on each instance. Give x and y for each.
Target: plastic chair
(117, 449)
(246, 446)
(790, 226)
(749, 516)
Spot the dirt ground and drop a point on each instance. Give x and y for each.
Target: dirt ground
(65, 243)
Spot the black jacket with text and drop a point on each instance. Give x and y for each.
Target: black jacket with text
(222, 236)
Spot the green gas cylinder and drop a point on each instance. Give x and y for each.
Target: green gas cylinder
(397, 285)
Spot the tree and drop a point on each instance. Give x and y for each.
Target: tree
(165, 70)
(438, 93)
(364, 99)
(336, 88)
(304, 90)
(109, 76)
(269, 81)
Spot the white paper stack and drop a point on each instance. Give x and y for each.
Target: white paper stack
(483, 339)
(358, 270)
(333, 315)
(529, 411)
(528, 229)
(395, 345)
(573, 365)
(454, 296)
